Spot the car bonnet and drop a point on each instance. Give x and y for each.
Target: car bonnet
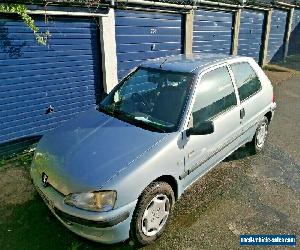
(84, 153)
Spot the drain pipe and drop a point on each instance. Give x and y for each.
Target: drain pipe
(181, 6)
(153, 4)
(219, 4)
(288, 5)
(242, 4)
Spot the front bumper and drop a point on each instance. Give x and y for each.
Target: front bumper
(105, 227)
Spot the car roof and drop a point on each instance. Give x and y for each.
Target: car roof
(188, 63)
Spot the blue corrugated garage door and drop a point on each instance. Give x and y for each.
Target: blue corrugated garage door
(64, 75)
(213, 31)
(251, 33)
(277, 34)
(146, 35)
(294, 43)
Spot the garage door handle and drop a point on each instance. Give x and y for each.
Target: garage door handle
(242, 113)
(49, 110)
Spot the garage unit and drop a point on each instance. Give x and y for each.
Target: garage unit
(213, 31)
(43, 86)
(294, 42)
(144, 35)
(277, 35)
(251, 33)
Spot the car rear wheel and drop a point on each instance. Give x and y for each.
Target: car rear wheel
(152, 213)
(259, 140)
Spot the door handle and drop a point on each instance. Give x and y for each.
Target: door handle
(242, 113)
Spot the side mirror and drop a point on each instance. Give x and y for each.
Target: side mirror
(204, 128)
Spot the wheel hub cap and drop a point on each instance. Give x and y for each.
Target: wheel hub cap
(155, 215)
(261, 135)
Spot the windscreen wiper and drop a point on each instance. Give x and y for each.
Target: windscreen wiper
(153, 124)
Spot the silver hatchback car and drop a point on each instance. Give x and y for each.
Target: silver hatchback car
(115, 172)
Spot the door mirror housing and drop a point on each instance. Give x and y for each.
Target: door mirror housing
(204, 128)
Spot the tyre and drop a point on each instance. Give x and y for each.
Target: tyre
(259, 140)
(152, 213)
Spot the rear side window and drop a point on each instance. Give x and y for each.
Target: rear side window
(214, 95)
(246, 80)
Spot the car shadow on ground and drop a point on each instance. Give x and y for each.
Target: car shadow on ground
(32, 226)
(239, 154)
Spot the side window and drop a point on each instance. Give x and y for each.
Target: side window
(246, 79)
(214, 95)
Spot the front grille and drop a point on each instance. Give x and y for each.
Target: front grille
(89, 223)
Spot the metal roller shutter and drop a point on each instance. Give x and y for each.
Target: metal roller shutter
(251, 33)
(65, 74)
(277, 34)
(146, 35)
(294, 43)
(213, 31)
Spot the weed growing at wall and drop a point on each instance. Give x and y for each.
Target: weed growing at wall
(20, 9)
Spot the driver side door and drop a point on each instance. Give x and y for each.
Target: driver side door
(215, 100)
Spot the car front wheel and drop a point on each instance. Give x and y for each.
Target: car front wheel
(152, 213)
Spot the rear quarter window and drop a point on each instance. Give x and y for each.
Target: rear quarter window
(247, 81)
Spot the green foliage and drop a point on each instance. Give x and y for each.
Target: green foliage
(23, 159)
(75, 245)
(21, 11)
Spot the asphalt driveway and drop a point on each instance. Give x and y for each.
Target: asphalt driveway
(244, 194)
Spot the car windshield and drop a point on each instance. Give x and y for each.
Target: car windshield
(153, 99)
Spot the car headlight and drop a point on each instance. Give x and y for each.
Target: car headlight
(100, 201)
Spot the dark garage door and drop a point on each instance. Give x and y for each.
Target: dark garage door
(277, 34)
(146, 35)
(64, 75)
(251, 33)
(212, 31)
(294, 43)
